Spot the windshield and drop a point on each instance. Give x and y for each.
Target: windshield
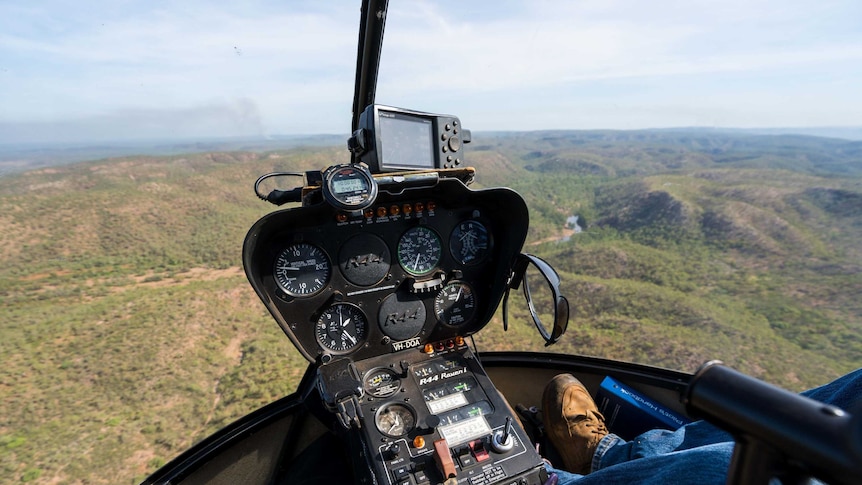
(692, 172)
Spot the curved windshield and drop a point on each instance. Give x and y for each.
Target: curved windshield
(691, 171)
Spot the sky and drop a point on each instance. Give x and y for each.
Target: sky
(127, 70)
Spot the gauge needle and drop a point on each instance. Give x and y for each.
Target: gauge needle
(416, 264)
(395, 424)
(288, 268)
(458, 296)
(350, 337)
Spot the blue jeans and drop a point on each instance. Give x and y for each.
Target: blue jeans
(695, 453)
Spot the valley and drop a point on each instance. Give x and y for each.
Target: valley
(129, 331)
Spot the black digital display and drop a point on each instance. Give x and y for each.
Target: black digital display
(342, 186)
(406, 141)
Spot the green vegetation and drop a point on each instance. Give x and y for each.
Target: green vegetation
(129, 331)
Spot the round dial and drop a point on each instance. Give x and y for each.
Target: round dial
(341, 328)
(470, 242)
(382, 383)
(401, 316)
(419, 250)
(302, 269)
(364, 259)
(455, 304)
(349, 187)
(395, 420)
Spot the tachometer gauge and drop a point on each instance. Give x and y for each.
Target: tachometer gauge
(381, 383)
(455, 304)
(419, 250)
(395, 420)
(470, 242)
(302, 269)
(341, 328)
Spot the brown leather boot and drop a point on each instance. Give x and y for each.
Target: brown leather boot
(573, 422)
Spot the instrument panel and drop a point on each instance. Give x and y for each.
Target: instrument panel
(419, 266)
(381, 298)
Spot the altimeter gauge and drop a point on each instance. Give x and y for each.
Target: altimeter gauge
(455, 304)
(341, 328)
(302, 269)
(419, 250)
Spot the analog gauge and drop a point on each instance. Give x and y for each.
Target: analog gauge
(341, 328)
(302, 269)
(382, 383)
(470, 242)
(481, 408)
(455, 304)
(419, 250)
(462, 385)
(395, 420)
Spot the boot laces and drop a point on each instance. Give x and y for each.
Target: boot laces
(589, 420)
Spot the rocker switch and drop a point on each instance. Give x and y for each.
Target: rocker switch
(479, 451)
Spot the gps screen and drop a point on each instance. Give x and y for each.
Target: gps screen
(405, 141)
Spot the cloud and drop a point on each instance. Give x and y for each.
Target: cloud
(605, 60)
(236, 118)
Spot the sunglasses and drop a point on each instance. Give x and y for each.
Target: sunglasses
(541, 286)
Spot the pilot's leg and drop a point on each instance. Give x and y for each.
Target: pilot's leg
(695, 453)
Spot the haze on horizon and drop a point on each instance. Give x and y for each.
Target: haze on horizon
(109, 71)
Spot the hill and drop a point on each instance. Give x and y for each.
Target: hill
(129, 331)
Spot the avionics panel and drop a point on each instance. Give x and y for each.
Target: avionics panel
(437, 413)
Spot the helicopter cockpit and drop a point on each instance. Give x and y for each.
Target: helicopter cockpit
(379, 279)
(381, 275)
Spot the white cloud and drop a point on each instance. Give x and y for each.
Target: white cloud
(616, 62)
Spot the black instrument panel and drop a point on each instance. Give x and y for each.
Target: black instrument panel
(419, 266)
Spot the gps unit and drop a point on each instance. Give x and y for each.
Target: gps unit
(395, 139)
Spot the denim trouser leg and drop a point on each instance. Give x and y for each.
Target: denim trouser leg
(695, 453)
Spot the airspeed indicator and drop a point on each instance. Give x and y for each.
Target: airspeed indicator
(419, 250)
